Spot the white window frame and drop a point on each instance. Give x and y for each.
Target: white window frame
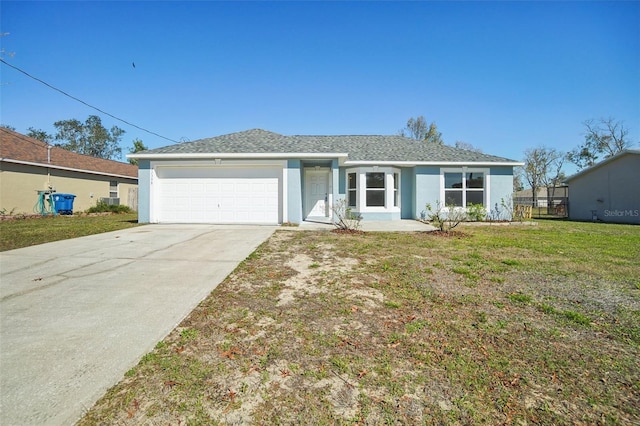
(350, 190)
(117, 189)
(463, 171)
(391, 194)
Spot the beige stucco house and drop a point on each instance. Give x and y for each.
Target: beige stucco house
(28, 165)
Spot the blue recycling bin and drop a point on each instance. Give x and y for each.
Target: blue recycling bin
(63, 203)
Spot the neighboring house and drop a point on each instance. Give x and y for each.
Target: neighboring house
(607, 191)
(28, 166)
(553, 197)
(258, 176)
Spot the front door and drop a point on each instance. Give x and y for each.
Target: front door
(316, 193)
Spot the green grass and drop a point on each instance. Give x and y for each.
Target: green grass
(26, 232)
(384, 328)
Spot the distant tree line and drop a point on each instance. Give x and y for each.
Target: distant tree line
(89, 138)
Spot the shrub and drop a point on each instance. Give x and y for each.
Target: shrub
(103, 207)
(476, 212)
(444, 217)
(344, 218)
(507, 205)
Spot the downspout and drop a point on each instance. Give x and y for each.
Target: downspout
(48, 168)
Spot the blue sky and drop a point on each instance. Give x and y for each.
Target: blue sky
(503, 76)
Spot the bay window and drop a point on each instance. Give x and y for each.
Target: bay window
(373, 189)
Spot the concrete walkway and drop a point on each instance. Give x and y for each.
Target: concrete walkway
(75, 315)
(405, 225)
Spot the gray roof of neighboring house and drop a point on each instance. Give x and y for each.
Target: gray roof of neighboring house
(357, 148)
(602, 163)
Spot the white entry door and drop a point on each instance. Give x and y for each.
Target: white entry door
(316, 193)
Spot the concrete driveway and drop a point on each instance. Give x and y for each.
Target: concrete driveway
(75, 315)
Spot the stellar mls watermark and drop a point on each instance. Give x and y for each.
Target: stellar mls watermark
(619, 213)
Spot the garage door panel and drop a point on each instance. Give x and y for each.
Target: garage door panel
(218, 195)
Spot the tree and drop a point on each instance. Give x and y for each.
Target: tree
(518, 177)
(543, 168)
(467, 146)
(603, 139)
(7, 126)
(39, 134)
(90, 137)
(138, 146)
(418, 129)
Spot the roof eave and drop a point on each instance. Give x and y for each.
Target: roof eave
(71, 169)
(214, 155)
(434, 163)
(601, 163)
(315, 155)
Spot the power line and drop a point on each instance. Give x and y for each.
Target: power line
(84, 103)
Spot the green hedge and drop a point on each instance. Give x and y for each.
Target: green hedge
(103, 207)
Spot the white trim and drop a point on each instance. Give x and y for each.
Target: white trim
(153, 195)
(218, 164)
(247, 155)
(342, 156)
(285, 195)
(433, 163)
(71, 169)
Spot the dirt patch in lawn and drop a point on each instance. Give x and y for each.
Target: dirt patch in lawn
(326, 328)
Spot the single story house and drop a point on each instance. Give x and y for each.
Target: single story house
(261, 177)
(555, 198)
(607, 191)
(29, 167)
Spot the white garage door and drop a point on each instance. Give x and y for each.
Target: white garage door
(217, 195)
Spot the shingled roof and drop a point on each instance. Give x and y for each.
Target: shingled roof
(365, 148)
(18, 148)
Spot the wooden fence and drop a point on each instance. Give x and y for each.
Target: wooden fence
(132, 199)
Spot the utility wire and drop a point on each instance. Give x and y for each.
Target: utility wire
(83, 102)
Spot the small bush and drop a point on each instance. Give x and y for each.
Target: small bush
(103, 207)
(476, 212)
(444, 217)
(507, 206)
(344, 218)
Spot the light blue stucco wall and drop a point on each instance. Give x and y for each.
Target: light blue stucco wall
(500, 192)
(294, 191)
(419, 185)
(144, 191)
(427, 188)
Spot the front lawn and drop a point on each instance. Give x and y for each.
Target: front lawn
(502, 325)
(24, 232)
